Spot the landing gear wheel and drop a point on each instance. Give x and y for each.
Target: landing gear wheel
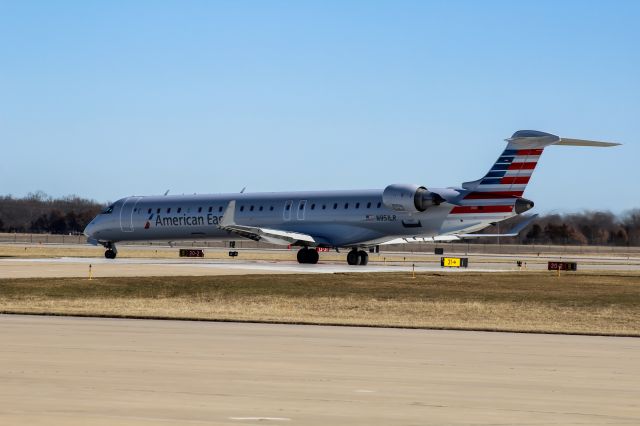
(357, 257)
(352, 257)
(111, 252)
(313, 256)
(307, 255)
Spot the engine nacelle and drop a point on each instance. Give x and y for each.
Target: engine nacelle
(409, 198)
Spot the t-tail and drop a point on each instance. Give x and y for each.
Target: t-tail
(501, 190)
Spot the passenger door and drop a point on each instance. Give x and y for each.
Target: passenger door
(126, 213)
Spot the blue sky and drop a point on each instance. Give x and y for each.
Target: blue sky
(110, 99)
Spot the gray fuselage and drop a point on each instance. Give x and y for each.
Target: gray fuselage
(333, 218)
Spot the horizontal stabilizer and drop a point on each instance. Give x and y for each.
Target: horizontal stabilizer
(583, 142)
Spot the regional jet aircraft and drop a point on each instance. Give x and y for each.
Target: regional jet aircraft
(353, 220)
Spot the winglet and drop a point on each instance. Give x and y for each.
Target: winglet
(229, 215)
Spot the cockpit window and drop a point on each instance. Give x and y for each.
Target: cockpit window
(108, 210)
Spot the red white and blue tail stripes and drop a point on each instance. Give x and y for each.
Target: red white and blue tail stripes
(497, 191)
(510, 174)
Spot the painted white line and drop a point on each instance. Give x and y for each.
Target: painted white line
(259, 419)
(365, 391)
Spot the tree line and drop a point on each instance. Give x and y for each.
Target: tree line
(586, 228)
(39, 213)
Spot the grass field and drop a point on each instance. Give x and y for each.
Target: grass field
(535, 302)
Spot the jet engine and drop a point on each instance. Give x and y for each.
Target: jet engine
(409, 198)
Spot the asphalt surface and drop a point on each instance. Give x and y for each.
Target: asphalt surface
(84, 371)
(101, 267)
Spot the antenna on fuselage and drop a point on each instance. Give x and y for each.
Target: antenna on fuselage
(242, 192)
(166, 192)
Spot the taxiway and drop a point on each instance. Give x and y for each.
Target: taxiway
(81, 371)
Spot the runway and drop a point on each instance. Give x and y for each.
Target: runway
(123, 267)
(100, 267)
(78, 371)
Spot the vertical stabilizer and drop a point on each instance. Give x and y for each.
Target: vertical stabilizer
(510, 174)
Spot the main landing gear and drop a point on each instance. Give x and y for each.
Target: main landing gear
(308, 255)
(111, 252)
(357, 257)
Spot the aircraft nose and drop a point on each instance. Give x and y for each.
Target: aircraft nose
(89, 229)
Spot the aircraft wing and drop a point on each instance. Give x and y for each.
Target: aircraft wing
(457, 237)
(443, 238)
(274, 236)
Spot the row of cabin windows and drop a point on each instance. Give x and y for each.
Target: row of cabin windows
(324, 206)
(271, 208)
(179, 210)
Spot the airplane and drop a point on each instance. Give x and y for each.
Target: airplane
(355, 220)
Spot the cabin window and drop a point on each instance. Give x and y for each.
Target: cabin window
(241, 208)
(158, 210)
(369, 205)
(179, 209)
(357, 205)
(346, 206)
(199, 209)
(301, 206)
(313, 206)
(271, 208)
(288, 207)
(149, 211)
(261, 208)
(324, 207)
(220, 209)
(210, 209)
(379, 204)
(335, 206)
(251, 208)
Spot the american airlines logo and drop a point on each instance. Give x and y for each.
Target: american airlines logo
(186, 220)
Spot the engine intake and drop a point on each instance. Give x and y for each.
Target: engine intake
(409, 198)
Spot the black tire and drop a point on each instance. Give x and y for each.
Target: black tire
(302, 255)
(110, 254)
(363, 257)
(313, 256)
(352, 257)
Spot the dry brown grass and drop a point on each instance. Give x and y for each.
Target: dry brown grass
(578, 303)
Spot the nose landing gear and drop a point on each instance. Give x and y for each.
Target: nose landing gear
(111, 251)
(357, 257)
(307, 255)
